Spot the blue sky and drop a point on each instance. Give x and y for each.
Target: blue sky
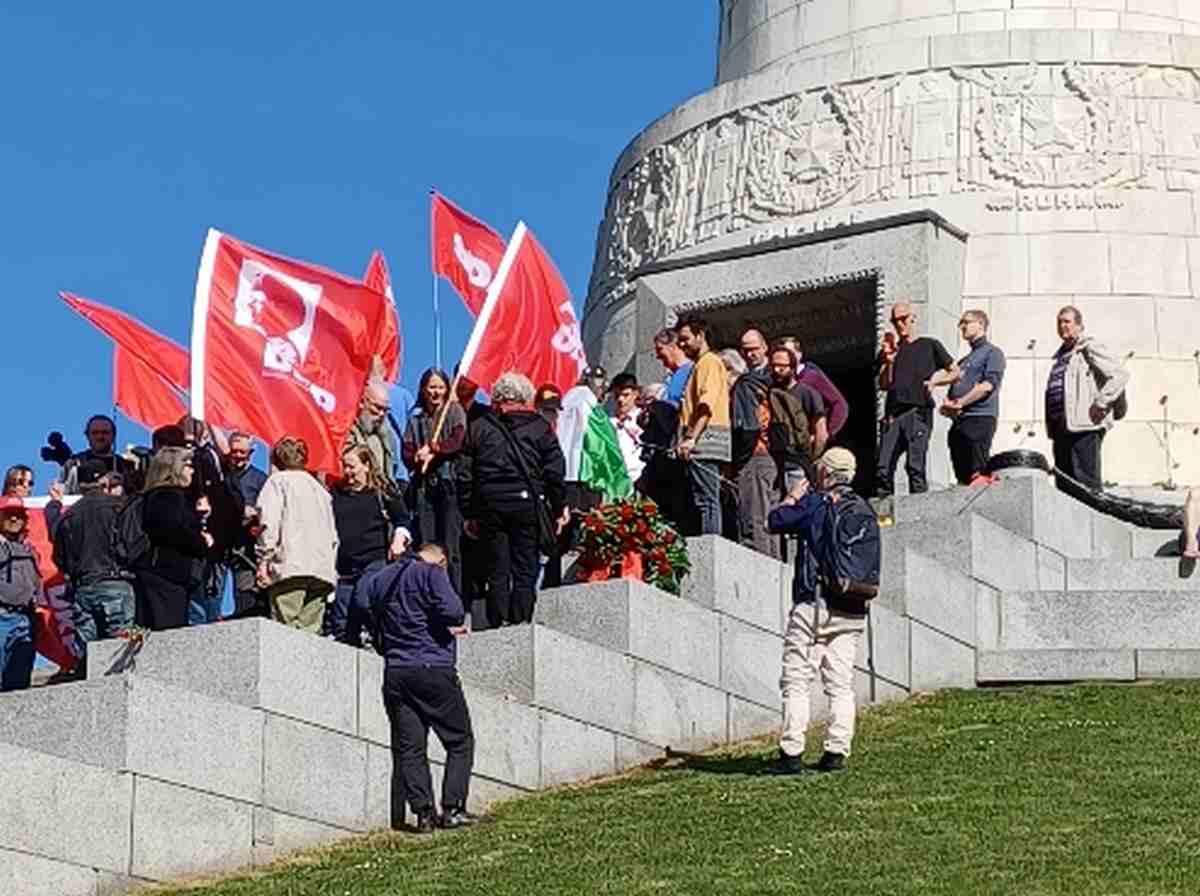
(131, 128)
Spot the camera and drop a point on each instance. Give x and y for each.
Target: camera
(56, 450)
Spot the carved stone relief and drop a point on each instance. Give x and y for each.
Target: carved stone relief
(1068, 135)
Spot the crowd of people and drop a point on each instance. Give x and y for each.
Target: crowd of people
(478, 502)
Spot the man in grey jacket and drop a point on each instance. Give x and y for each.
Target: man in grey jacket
(1085, 386)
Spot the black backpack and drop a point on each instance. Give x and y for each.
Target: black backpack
(20, 581)
(850, 554)
(130, 543)
(788, 437)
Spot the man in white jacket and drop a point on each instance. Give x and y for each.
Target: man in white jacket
(297, 545)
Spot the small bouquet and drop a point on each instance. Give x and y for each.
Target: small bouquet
(632, 539)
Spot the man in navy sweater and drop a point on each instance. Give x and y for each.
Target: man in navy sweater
(414, 616)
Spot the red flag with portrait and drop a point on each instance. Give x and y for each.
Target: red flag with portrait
(390, 346)
(527, 324)
(465, 251)
(284, 345)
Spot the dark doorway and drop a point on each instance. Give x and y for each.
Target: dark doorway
(837, 329)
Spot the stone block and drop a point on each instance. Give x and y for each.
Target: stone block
(987, 617)
(1132, 46)
(372, 717)
(938, 661)
(886, 642)
(883, 692)
(253, 662)
(506, 738)
(1068, 263)
(1111, 538)
(1142, 574)
(674, 711)
(500, 659)
(177, 830)
(573, 751)
(750, 659)
(1154, 543)
(129, 723)
(1014, 666)
(315, 773)
(277, 834)
(1001, 559)
(582, 680)
(1100, 619)
(22, 874)
(1053, 44)
(969, 49)
(1060, 522)
(631, 617)
(1008, 503)
(748, 721)
(633, 753)
(941, 597)
(51, 806)
(1051, 569)
(379, 788)
(996, 265)
(735, 580)
(1168, 663)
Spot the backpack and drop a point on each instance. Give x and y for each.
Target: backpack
(849, 557)
(20, 581)
(788, 437)
(129, 540)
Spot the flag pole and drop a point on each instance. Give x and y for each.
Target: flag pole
(437, 317)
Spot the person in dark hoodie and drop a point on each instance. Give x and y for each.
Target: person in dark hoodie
(498, 497)
(83, 550)
(172, 569)
(414, 617)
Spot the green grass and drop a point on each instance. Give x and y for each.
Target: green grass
(1086, 789)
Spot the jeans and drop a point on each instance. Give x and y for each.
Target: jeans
(418, 698)
(16, 650)
(907, 433)
(204, 604)
(510, 537)
(337, 612)
(102, 609)
(705, 479)
(1078, 455)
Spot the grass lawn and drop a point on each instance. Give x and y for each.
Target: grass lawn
(1084, 789)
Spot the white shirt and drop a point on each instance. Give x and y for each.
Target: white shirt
(629, 437)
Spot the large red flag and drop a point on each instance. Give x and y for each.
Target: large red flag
(285, 346)
(465, 251)
(167, 358)
(142, 394)
(527, 323)
(390, 346)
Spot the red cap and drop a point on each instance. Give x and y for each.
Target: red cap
(11, 502)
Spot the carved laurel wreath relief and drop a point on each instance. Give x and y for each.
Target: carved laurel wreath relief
(1072, 132)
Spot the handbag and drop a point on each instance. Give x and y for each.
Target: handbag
(547, 531)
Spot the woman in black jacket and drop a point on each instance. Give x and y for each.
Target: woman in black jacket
(371, 529)
(498, 500)
(169, 573)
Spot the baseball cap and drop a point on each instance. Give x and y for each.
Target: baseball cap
(839, 461)
(11, 502)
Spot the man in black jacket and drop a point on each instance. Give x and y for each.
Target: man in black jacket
(499, 500)
(83, 550)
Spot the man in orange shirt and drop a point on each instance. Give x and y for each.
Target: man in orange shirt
(704, 433)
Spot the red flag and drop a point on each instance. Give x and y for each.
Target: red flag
(167, 358)
(142, 394)
(54, 617)
(390, 347)
(527, 323)
(465, 251)
(283, 345)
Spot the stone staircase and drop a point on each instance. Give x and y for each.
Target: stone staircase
(227, 746)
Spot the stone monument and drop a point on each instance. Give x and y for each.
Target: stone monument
(1009, 155)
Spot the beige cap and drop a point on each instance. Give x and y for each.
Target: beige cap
(838, 461)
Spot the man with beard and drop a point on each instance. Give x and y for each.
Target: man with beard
(372, 430)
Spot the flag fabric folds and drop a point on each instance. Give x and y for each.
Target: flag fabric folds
(465, 251)
(283, 345)
(142, 394)
(167, 358)
(527, 324)
(590, 446)
(390, 346)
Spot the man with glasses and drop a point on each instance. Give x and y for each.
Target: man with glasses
(372, 430)
(973, 402)
(908, 365)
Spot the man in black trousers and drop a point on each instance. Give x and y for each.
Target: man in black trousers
(415, 616)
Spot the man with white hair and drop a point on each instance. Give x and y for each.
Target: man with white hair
(371, 428)
(512, 468)
(837, 572)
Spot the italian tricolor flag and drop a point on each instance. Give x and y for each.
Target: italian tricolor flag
(589, 443)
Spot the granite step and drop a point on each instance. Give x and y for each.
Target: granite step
(1113, 619)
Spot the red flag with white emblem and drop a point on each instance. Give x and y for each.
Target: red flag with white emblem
(390, 346)
(284, 345)
(527, 324)
(465, 251)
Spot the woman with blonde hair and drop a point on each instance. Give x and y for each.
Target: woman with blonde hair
(372, 527)
(169, 572)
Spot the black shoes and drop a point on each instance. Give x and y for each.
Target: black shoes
(830, 762)
(457, 817)
(787, 765)
(427, 822)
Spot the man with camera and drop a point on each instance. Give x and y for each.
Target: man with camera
(101, 434)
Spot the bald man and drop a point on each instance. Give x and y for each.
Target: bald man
(910, 366)
(371, 428)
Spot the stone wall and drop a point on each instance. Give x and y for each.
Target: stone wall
(1071, 157)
